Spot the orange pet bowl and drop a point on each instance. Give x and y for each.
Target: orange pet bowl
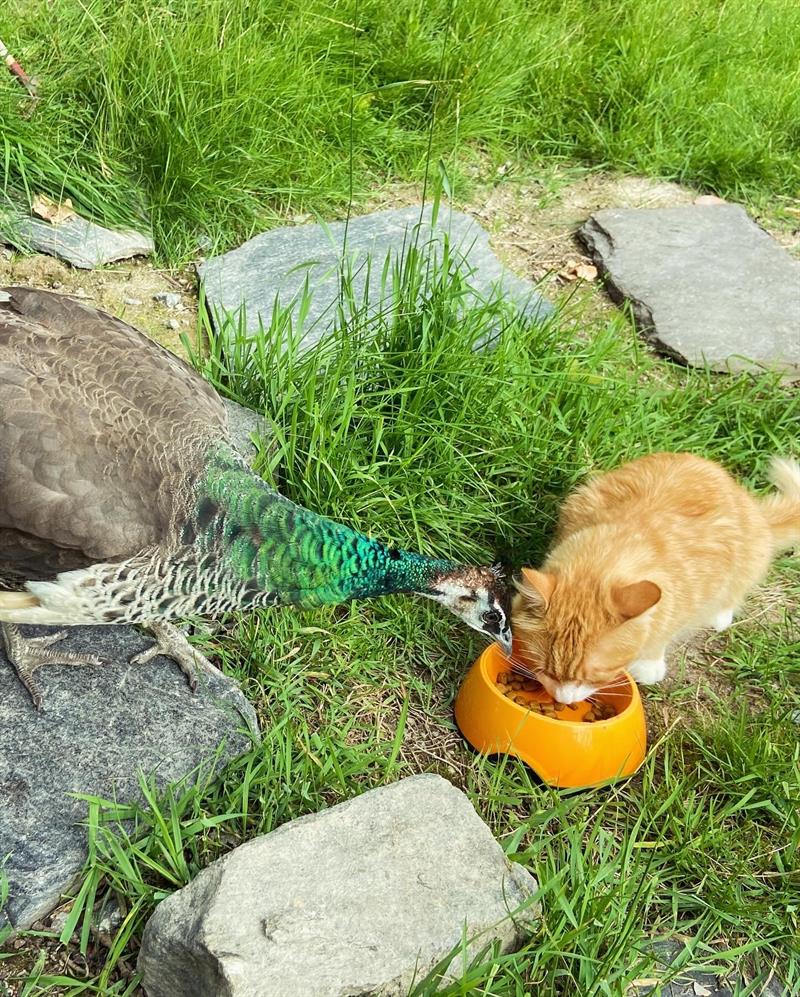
(563, 752)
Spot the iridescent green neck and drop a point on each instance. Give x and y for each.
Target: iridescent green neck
(284, 553)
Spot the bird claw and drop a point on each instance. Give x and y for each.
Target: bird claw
(28, 654)
(171, 643)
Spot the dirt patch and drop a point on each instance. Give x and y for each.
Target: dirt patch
(124, 289)
(58, 959)
(533, 222)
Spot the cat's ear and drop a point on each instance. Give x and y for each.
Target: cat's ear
(633, 600)
(536, 588)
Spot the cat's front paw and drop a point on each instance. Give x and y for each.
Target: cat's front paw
(722, 620)
(648, 671)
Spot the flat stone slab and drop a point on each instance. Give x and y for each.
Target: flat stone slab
(692, 982)
(78, 241)
(364, 898)
(100, 728)
(243, 423)
(706, 284)
(275, 266)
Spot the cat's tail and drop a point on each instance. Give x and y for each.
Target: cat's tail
(782, 511)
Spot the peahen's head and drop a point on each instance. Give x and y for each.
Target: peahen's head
(479, 597)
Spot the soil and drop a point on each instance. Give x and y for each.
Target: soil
(124, 289)
(533, 224)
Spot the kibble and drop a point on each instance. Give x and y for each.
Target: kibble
(518, 688)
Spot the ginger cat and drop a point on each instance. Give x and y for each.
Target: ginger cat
(666, 544)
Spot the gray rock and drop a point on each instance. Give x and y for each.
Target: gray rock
(243, 423)
(78, 241)
(689, 982)
(100, 728)
(275, 266)
(364, 898)
(173, 323)
(133, 302)
(168, 299)
(706, 284)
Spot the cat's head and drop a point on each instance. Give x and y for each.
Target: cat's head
(577, 634)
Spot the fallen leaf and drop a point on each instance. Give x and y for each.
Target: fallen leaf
(575, 269)
(700, 990)
(568, 271)
(51, 212)
(586, 271)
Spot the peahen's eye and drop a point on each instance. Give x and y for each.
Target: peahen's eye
(491, 616)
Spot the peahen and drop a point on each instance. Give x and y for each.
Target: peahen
(122, 500)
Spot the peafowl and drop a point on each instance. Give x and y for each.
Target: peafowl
(122, 500)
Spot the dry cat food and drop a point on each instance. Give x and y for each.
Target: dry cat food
(515, 686)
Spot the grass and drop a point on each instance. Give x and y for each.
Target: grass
(217, 118)
(400, 427)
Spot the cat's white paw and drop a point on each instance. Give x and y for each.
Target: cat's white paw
(648, 671)
(723, 619)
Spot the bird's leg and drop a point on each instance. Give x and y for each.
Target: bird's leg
(27, 654)
(171, 643)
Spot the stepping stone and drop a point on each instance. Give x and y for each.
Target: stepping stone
(242, 424)
(100, 728)
(365, 898)
(692, 982)
(706, 284)
(275, 266)
(78, 241)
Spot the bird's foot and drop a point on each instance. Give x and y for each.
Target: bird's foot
(171, 643)
(27, 654)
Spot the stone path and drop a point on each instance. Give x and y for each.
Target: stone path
(706, 284)
(365, 898)
(277, 265)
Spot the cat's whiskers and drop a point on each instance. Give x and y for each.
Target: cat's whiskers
(599, 699)
(522, 667)
(526, 672)
(623, 684)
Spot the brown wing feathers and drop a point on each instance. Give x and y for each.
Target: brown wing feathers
(98, 428)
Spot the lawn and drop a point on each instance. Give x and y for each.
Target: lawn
(219, 118)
